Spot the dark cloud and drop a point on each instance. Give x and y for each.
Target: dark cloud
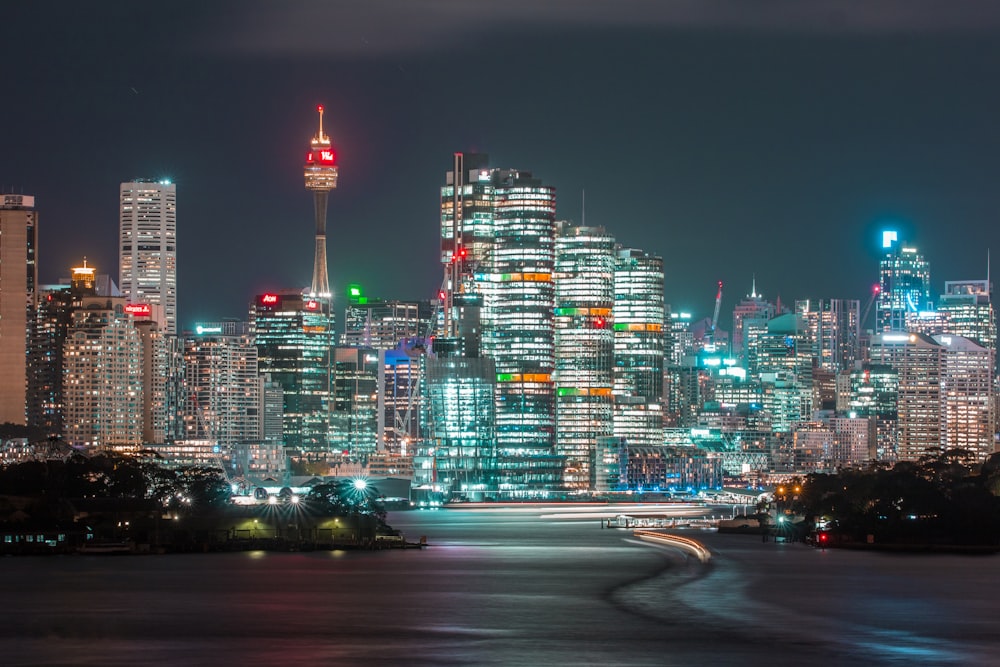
(380, 27)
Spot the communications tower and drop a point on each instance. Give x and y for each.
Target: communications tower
(321, 177)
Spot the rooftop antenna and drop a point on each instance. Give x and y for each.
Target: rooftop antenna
(753, 290)
(583, 214)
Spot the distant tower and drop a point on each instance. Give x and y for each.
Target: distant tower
(321, 177)
(904, 281)
(147, 251)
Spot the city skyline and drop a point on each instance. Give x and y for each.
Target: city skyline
(732, 146)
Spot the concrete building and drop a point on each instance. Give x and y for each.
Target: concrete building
(147, 247)
(18, 284)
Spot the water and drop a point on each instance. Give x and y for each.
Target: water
(529, 586)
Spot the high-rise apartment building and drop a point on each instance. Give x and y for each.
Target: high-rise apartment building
(147, 247)
(223, 389)
(904, 284)
(584, 345)
(102, 376)
(969, 408)
(920, 367)
(639, 342)
(47, 332)
(18, 281)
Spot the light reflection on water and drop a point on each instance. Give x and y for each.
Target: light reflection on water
(503, 587)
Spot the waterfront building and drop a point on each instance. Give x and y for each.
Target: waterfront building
(584, 347)
(639, 347)
(458, 455)
(904, 284)
(518, 322)
(920, 365)
(223, 389)
(18, 298)
(147, 247)
(294, 338)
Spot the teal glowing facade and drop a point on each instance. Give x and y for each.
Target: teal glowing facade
(639, 347)
(584, 340)
(294, 338)
(518, 332)
(457, 456)
(904, 284)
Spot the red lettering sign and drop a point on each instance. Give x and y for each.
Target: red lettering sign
(269, 299)
(312, 305)
(138, 309)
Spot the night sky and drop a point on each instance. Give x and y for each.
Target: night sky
(732, 138)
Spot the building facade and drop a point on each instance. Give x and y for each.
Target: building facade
(18, 284)
(147, 247)
(584, 345)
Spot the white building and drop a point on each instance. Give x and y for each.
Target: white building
(147, 247)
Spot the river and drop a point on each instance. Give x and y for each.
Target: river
(505, 586)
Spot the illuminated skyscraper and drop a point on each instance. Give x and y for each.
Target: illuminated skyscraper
(904, 284)
(320, 178)
(354, 402)
(969, 306)
(639, 347)
(18, 281)
(294, 337)
(919, 363)
(223, 388)
(102, 376)
(751, 311)
(832, 330)
(147, 247)
(46, 337)
(968, 395)
(584, 343)
(518, 320)
(498, 248)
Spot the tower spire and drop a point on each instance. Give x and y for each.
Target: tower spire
(320, 178)
(753, 290)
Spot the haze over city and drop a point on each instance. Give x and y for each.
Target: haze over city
(774, 142)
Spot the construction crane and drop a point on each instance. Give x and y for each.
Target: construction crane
(868, 306)
(710, 334)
